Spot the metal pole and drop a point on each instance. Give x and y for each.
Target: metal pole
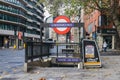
(41, 53)
(57, 45)
(79, 34)
(84, 33)
(41, 33)
(32, 51)
(15, 35)
(95, 32)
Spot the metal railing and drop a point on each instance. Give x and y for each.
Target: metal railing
(65, 49)
(35, 50)
(39, 50)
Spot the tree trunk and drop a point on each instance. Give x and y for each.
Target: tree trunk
(117, 26)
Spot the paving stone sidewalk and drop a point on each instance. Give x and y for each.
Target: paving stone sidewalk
(110, 71)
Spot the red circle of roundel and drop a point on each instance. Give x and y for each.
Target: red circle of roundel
(67, 28)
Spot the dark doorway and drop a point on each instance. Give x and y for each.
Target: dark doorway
(1, 41)
(108, 40)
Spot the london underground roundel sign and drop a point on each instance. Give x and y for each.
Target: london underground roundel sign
(62, 19)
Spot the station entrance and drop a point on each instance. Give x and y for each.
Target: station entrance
(57, 53)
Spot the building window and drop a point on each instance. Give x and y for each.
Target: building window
(103, 20)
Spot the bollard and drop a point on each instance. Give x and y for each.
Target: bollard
(14, 46)
(24, 45)
(25, 67)
(80, 65)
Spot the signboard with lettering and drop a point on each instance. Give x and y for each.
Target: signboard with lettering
(91, 56)
(109, 31)
(68, 60)
(61, 25)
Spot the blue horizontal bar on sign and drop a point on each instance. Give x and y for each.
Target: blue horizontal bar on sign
(61, 25)
(68, 60)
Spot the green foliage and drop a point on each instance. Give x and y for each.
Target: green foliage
(52, 6)
(72, 7)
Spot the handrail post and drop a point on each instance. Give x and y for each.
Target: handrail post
(31, 51)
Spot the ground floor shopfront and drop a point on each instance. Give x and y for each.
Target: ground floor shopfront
(7, 41)
(109, 38)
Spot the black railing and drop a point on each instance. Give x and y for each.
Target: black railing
(35, 50)
(65, 49)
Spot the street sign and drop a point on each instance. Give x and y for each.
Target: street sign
(91, 56)
(109, 31)
(68, 59)
(61, 25)
(60, 20)
(52, 25)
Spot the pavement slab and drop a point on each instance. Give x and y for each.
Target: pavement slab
(11, 68)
